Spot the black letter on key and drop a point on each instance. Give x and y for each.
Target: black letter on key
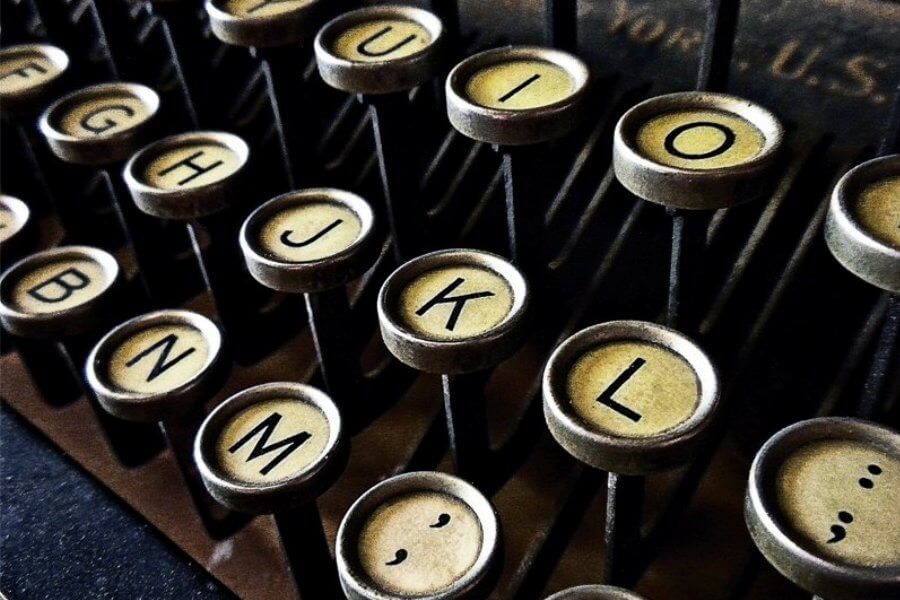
(163, 364)
(727, 143)
(262, 446)
(67, 288)
(606, 398)
(23, 70)
(361, 48)
(108, 123)
(458, 301)
(198, 170)
(264, 4)
(285, 237)
(519, 88)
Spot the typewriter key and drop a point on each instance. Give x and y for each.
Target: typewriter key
(29, 74)
(313, 242)
(16, 229)
(519, 96)
(595, 592)
(456, 312)
(418, 535)
(263, 23)
(274, 448)
(381, 53)
(823, 503)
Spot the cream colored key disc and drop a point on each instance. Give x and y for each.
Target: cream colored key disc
(58, 292)
(417, 535)
(629, 397)
(380, 49)
(862, 228)
(823, 504)
(28, 75)
(696, 150)
(100, 124)
(158, 365)
(14, 215)
(517, 95)
(271, 447)
(454, 311)
(264, 23)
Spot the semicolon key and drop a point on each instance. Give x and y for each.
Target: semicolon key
(273, 449)
(66, 296)
(629, 398)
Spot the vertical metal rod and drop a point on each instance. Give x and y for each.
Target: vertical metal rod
(624, 511)
(174, 18)
(890, 141)
(562, 24)
(396, 159)
(111, 20)
(885, 361)
(467, 425)
(49, 369)
(686, 296)
(718, 45)
(307, 552)
(448, 12)
(521, 170)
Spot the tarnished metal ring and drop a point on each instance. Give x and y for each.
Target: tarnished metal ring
(285, 494)
(281, 29)
(620, 454)
(355, 583)
(102, 149)
(57, 324)
(315, 275)
(454, 356)
(695, 189)
(157, 406)
(868, 258)
(595, 592)
(30, 100)
(516, 127)
(191, 203)
(809, 570)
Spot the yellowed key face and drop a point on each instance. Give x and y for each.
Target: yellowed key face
(273, 441)
(25, 71)
(699, 139)
(381, 40)
(59, 286)
(192, 166)
(11, 222)
(104, 116)
(520, 85)
(633, 389)
(878, 211)
(419, 543)
(159, 359)
(843, 499)
(310, 231)
(455, 303)
(261, 8)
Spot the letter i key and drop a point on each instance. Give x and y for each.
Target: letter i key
(66, 296)
(273, 449)
(380, 53)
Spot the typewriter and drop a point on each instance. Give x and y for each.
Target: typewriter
(452, 299)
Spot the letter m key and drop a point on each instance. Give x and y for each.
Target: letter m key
(262, 447)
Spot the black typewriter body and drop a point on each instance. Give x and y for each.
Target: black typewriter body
(791, 332)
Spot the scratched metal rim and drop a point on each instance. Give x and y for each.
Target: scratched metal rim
(516, 127)
(386, 76)
(157, 406)
(280, 495)
(595, 592)
(620, 454)
(358, 586)
(57, 324)
(870, 259)
(289, 27)
(102, 149)
(454, 356)
(796, 561)
(189, 203)
(315, 275)
(695, 189)
(28, 100)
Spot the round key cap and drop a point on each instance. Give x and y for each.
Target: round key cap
(100, 124)
(454, 311)
(15, 223)
(58, 292)
(29, 74)
(263, 23)
(629, 397)
(696, 150)
(862, 228)
(157, 366)
(418, 535)
(379, 50)
(517, 95)
(595, 592)
(187, 176)
(823, 503)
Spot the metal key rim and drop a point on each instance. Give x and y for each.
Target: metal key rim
(14, 103)
(264, 31)
(22, 213)
(595, 592)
